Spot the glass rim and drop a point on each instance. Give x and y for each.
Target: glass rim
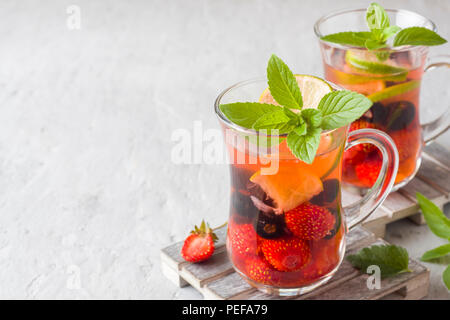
(344, 11)
(237, 127)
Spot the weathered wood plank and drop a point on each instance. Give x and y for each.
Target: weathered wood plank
(357, 237)
(198, 274)
(435, 175)
(397, 203)
(417, 185)
(439, 153)
(229, 287)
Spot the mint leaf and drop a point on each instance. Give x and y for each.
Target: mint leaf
(304, 147)
(376, 17)
(275, 120)
(290, 114)
(282, 84)
(436, 252)
(438, 223)
(313, 117)
(446, 277)
(339, 108)
(357, 39)
(389, 32)
(391, 259)
(245, 114)
(301, 129)
(418, 36)
(373, 44)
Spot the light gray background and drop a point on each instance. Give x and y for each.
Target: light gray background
(88, 191)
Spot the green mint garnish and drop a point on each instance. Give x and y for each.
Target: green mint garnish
(435, 253)
(356, 39)
(446, 277)
(302, 126)
(276, 120)
(245, 114)
(418, 36)
(342, 107)
(377, 18)
(380, 31)
(313, 117)
(304, 146)
(283, 85)
(439, 224)
(391, 259)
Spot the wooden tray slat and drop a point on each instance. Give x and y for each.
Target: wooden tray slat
(438, 153)
(435, 175)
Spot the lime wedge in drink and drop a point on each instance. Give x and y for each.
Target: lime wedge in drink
(366, 62)
(312, 89)
(347, 78)
(394, 90)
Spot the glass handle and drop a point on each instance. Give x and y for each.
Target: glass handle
(435, 128)
(361, 209)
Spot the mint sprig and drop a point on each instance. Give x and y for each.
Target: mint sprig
(439, 224)
(381, 31)
(245, 114)
(339, 108)
(391, 259)
(417, 36)
(302, 126)
(356, 39)
(282, 84)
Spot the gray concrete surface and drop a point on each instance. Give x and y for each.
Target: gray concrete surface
(89, 193)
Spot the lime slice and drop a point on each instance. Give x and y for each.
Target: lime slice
(312, 89)
(394, 90)
(365, 62)
(344, 78)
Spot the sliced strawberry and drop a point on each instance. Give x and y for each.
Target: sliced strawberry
(309, 221)
(199, 246)
(286, 253)
(259, 270)
(367, 171)
(242, 240)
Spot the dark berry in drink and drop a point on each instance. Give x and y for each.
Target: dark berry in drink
(337, 223)
(329, 193)
(270, 225)
(401, 114)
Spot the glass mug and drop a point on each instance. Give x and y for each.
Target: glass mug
(391, 79)
(268, 244)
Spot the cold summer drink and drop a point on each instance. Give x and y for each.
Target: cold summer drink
(286, 230)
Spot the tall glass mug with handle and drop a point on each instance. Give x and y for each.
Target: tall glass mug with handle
(391, 78)
(287, 226)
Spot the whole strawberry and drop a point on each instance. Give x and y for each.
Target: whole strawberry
(287, 253)
(242, 239)
(309, 221)
(261, 271)
(199, 245)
